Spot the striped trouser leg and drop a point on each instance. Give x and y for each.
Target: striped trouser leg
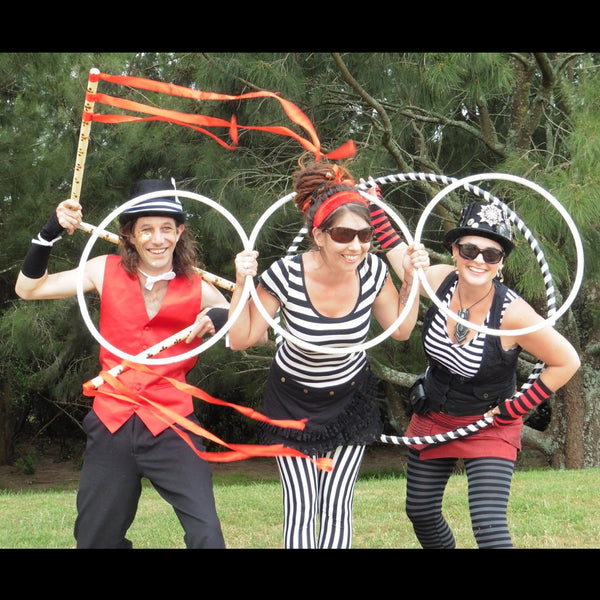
(310, 494)
(300, 501)
(337, 497)
(425, 485)
(489, 488)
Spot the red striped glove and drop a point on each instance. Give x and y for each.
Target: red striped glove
(511, 410)
(385, 233)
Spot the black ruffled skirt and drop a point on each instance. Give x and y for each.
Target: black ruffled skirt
(337, 416)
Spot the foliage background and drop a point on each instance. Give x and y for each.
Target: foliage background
(531, 114)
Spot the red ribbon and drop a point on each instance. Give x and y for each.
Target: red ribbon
(170, 417)
(198, 122)
(201, 395)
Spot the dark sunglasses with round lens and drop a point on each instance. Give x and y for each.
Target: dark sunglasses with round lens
(471, 252)
(344, 235)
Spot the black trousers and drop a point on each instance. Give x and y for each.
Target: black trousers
(110, 485)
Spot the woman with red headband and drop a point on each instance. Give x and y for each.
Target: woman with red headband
(326, 297)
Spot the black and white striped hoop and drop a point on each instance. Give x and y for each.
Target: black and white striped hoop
(438, 438)
(452, 184)
(553, 314)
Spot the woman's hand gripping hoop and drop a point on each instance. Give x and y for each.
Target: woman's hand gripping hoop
(332, 349)
(143, 358)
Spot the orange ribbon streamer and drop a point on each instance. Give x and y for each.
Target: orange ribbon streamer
(89, 390)
(237, 451)
(194, 121)
(200, 123)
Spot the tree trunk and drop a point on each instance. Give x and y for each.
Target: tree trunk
(7, 424)
(572, 397)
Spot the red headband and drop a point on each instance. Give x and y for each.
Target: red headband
(335, 201)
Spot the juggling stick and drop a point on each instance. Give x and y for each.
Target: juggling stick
(80, 158)
(152, 351)
(84, 135)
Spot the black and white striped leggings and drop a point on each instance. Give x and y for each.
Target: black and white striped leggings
(489, 481)
(311, 495)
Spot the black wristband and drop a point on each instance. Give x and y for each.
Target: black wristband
(36, 261)
(52, 230)
(218, 316)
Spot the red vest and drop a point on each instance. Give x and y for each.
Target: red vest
(125, 324)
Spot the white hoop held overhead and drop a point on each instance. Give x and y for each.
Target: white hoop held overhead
(551, 320)
(332, 349)
(86, 252)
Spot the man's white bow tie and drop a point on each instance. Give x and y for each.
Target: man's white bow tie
(151, 279)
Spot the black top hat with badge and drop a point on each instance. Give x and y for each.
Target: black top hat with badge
(167, 206)
(486, 220)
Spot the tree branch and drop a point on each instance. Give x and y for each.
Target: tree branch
(387, 138)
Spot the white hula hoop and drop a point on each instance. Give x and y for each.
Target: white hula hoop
(332, 349)
(86, 252)
(551, 320)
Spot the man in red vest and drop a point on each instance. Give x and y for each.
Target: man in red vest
(148, 293)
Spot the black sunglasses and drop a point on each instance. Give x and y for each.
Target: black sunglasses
(471, 252)
(344, 235)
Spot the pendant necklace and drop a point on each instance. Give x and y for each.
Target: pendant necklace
(461, 331)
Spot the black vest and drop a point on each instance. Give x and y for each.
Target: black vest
(494, 382)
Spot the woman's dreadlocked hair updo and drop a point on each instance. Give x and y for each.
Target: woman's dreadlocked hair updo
(314, 182)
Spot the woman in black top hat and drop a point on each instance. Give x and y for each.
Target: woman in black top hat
(471, 373)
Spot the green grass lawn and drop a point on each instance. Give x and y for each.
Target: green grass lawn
(548, 509)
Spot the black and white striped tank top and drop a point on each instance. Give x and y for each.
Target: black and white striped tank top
(459, 359)
(285, 281)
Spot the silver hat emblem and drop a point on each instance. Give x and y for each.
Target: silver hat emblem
(491, 214)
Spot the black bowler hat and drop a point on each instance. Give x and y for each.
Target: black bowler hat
(168, 206)
(486, 220)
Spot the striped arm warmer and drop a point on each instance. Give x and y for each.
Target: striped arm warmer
(385, 233)
(522, 404)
